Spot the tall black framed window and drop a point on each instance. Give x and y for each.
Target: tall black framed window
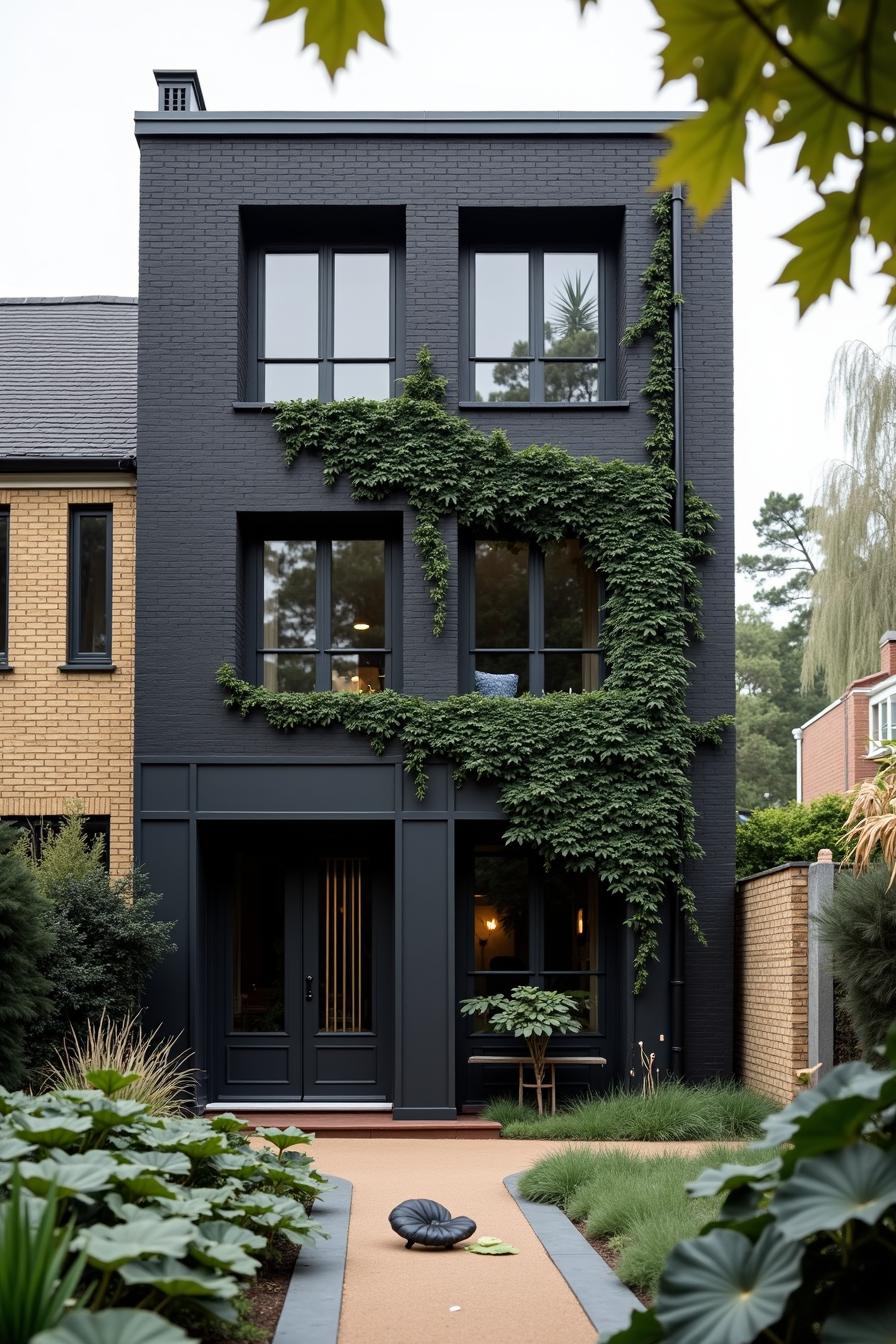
(536, 325)
(533, 613)
(325, 613)
(325, 323)
(4, 586)
(528, 927)
(90, 585)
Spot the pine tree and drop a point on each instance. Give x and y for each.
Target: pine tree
(25, 941)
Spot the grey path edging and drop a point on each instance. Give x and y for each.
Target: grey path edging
(601, 1294)
(313, 1301)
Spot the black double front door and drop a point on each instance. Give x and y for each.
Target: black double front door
(302, 988)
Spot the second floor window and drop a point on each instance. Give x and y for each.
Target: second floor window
(535, 333)
(4, 586)
(90, 585)
(533, 614)
(882, 723)
(326, 324)
(325, 614)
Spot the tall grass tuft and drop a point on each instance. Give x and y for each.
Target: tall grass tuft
(553, 1180)
(165, 1081)
(674, 1112)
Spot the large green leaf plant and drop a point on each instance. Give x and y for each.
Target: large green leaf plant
(530, 1014)
(805, 1247)
(116, 1224)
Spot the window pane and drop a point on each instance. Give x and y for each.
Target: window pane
(346, 947)
(359, 594)
(290, 569)
(258, 912)
(570, 922)
(585, 989)
(361, 304)
(572, 382)
(363, 673)
(4, 583)
(517, 663)
(290, 382)
(93, 539)
(570, 305)
(571, 672)
(362, 380)
(288, 671)
(501, 382)
(290, 305)
(501, 303)
(502, 595)
(570, 597)
(500, 913)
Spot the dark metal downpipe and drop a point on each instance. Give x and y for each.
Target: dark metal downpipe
(676, 982)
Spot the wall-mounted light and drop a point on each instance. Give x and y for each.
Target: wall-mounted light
(580, 920)
(491, 925)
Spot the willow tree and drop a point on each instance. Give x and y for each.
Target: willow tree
(853, 595)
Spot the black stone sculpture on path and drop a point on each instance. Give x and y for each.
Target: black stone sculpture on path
(426, 1223)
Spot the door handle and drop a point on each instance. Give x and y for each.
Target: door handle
(309, 981)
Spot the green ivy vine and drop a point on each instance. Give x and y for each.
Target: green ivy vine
(597, 781)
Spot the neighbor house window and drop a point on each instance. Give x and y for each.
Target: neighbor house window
(325, 324)
(325, 614)
(534, 613)
(535, 330)
(90, 585)
(882, 728)
(4, 586)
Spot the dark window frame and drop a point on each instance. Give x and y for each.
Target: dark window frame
(325, 359)
(5, 548)
(605, 359)
(75, 657)
(536, 649)
(323, 651)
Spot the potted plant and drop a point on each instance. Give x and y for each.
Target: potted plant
(530, 1014)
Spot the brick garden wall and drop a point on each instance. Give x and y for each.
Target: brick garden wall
(772, 1017)
(66, 735)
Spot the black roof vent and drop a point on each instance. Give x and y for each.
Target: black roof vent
(179, 91)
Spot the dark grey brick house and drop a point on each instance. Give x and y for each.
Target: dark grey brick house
(328, 922)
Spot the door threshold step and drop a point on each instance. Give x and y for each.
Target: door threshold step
(373, 1125)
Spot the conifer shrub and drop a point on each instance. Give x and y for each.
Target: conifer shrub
(26, 945)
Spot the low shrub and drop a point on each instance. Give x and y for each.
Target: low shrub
(26, 942)
(171, 1217)
(675, 1111)
(791, 834)
(858, 927)
(163, 1080)
(803, 1245)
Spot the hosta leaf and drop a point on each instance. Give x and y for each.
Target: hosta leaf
(110, 1080)
(238, 1164)
(284, 1138)
(175, 1279)
(171, 1163)
(730, 1176)
(707, 153)
(334, 26)
(231, 1234)
(227, 1123)
(115, 1326)
(862, 1325)
(859, 1182)
(12, 1149)
(223, 1256)
(107, 1113)
(846, 1097)
(145, 1235)
(72, 1176)
(724, 1289)
(57, 1131)
(143, 1184)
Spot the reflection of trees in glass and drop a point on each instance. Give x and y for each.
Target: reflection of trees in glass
(359, 593)
(504, 880)
(502, 595)
(289, 594)
(570, 331)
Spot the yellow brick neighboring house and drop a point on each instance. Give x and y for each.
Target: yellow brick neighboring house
(67, 562)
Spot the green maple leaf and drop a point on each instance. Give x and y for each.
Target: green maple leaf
(825, 241)
(714, 42)
(333, 26)
(706, 153)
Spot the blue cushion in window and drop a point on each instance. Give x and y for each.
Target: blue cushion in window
(496, 683)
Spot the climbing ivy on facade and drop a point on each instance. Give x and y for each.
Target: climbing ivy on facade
(592, 782)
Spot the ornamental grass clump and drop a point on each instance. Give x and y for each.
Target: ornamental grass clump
(162, 1076)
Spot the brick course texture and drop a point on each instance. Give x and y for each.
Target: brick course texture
(66, 736)
(835, 748)
(773, 979)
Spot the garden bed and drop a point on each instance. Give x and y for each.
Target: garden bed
(675, 1112)
(263, 1302)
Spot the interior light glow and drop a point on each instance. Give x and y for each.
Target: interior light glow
(491, 925)
(360, 625)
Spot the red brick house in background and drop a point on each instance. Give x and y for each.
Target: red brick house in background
(840, 746)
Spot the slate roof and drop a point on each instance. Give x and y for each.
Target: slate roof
(68, 381)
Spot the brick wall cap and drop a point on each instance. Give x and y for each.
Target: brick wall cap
(779, 868)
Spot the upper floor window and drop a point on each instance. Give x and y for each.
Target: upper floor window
(535, 326)
(4, 586)
(325, 614)
(533, 614)
(90, 585)
(325, 324)
(882, 726)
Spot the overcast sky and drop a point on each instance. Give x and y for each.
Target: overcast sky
(71, 74)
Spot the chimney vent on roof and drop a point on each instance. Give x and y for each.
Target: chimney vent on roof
(888, 652)
(179, 91)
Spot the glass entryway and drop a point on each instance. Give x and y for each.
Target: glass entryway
(301, 987)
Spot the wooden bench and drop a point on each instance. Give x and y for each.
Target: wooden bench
(551, 1063)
